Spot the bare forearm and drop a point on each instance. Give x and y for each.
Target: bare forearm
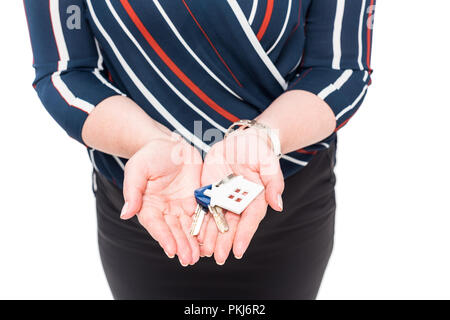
(301, 117)
(119, 126)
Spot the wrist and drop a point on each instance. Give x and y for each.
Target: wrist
(159, 136)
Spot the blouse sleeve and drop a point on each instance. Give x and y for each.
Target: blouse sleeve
(336, 61)
(68, 63)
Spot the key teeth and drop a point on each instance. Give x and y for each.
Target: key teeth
(219, 218)
(198, 215)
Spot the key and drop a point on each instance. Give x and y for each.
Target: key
(219, 218)
(233, 193)
(197, 221)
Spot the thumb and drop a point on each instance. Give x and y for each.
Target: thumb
(134, 185)
(273, 180)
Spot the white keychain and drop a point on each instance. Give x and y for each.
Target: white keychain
(234, 195)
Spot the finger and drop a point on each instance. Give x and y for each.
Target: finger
(224, 240)
(134, 184)
(186, 225)
(209, 242)
(273, 181)
(203, 228)
(183, 246)
(158, 229)
(248, 225)
(202, 235)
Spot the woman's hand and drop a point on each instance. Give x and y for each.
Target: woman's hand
(247, 153)
(159, 185)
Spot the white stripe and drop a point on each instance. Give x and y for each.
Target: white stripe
(64, 57)
(366, 75)
(296, 161)
(361, 18)
(297, 64)
(68, 96)
(161, 75)
(256, 44)
(97, 73)
(336, 85)
(337, 32)
(119, 162)
(91, 155)
(253, 12)
(283, 29)
(100, 56)
(94, 180)
(343, 78)
(350, 107)
(99, 68)
(141, 87)
(186, 46)
(326, 145)
(59, 35)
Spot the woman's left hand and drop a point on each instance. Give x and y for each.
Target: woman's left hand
(247, 153)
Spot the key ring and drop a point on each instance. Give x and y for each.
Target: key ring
(226, 179)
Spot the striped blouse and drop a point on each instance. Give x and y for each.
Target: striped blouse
(197, 65)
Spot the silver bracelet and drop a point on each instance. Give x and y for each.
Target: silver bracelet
(273, 137)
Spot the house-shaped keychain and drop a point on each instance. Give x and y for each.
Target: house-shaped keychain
(234, 194)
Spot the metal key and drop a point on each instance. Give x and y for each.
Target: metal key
(219, 218)
(197, 221)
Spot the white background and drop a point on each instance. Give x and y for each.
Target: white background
(393, 216)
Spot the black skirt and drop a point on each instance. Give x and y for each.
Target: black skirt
(285, 260)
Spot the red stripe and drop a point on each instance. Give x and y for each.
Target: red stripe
(343, 123)
(298, 20)
(214, 48)
(266, 20)
(306, 151)
(173, 66)
(110, 77)
(369, 37)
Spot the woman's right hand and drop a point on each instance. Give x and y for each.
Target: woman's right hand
(159, 185)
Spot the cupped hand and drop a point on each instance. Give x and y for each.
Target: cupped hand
(159, 185)
(247, 153)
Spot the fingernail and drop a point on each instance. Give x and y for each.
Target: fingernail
(240, 249)
(124, 210)
(183, 264)
(220, 263)
(280, 202)
(171, 257)
(238, 257)
(209, 256)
